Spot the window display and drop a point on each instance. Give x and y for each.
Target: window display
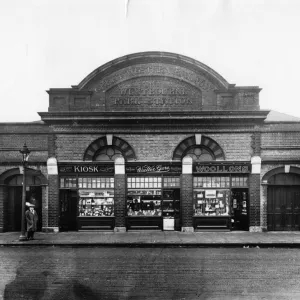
(211, 202)
(144, 202)
(96, 203)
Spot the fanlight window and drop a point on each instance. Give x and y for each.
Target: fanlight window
(107, 154)
(200, 154)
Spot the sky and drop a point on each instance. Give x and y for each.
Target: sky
(57, 43)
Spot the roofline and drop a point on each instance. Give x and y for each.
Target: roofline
(153, 54)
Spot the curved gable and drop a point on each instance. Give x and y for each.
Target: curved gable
(154, 82)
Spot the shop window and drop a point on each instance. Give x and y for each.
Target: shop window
(96, 203)
(68, 182)
(144, 196)
(107, 154)
(144, 182)
(239, 181)
(211, 202)
(96, 182)
(211, 181)
(171, 182)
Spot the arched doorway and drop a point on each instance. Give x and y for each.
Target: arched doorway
(283, 202)
(14, 201)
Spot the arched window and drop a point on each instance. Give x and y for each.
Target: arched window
(200, 154)
(108, 153)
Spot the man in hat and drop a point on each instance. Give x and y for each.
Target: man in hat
(31, 219)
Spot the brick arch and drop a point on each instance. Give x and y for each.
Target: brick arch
(206, 142)
(16, 171)
(127, 151)
(279, 170)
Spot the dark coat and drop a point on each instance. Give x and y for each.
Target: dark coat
(31, 219)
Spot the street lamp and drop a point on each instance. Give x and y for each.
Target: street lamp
(25, 154)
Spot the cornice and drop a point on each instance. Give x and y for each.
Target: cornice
(154, 117)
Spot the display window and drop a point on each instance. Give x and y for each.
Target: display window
(96, 203)
(211, 202)
(144, 196)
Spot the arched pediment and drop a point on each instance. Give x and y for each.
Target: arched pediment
(154, 82)
(154, 64)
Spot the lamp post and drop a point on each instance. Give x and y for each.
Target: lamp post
(25, 154)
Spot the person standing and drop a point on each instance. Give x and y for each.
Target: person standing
(31, 219)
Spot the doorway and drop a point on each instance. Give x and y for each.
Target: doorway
(283, 210)
(68, 210)
(14, 206)
(240, 209)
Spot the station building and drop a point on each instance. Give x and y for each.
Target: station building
(154, 140)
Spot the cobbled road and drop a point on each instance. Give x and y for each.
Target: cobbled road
(149, 273)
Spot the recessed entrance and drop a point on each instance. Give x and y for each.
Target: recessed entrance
(14, 206)
(283, 209)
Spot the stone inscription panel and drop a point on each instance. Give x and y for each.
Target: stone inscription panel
(153, 93)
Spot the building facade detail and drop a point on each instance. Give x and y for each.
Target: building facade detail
(154, 140)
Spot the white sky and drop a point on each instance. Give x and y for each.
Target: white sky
(56, 43)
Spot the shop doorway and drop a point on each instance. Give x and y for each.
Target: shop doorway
(239, 209)
(171, 209)
(68, 210)
(283, 210)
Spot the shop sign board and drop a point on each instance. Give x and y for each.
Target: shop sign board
(153, 168)
(221, 168)
(88, 169)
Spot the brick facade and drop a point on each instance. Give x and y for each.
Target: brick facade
(254, 211)
(154, 102)
(120, 205)
(53, 203)
(186, 204)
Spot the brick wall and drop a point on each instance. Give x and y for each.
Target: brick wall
(3, 207)
(186, 200)
(236, 146)
(120, 196)
(53, 201)
(254, 188)
(73, 146)
(281, 139)
(45, 210)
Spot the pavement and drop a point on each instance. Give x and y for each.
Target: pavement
(156, 239)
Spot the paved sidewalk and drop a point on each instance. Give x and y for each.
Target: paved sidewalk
(157, 239)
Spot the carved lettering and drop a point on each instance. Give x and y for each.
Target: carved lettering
(155, 93)
(153, 69)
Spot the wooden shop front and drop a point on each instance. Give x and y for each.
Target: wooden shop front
(153, 196)
(220, 196)
(86, 196)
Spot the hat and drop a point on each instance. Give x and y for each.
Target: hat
(29, 204)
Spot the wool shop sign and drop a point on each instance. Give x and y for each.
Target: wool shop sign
(221, 168)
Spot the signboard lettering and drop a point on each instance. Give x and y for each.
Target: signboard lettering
(222, 168)
(153, 168)
(86, 168)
